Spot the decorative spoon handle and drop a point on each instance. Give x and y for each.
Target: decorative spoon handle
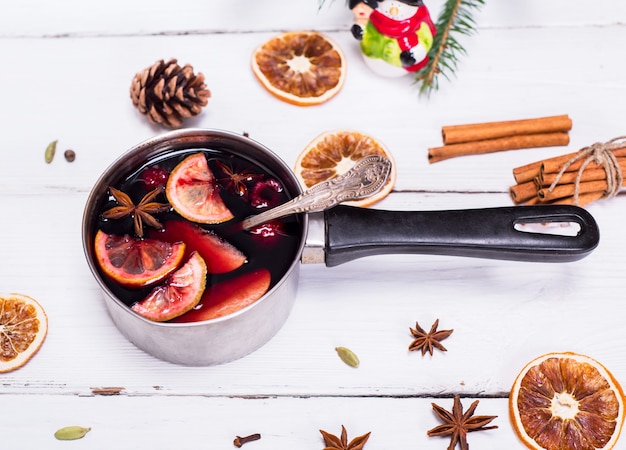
(365, 178)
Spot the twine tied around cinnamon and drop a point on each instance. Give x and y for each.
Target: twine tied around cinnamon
(601, 154)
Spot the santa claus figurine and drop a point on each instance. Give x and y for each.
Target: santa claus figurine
(398, 33)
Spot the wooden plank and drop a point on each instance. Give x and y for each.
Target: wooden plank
(75, 18)
(189, 422)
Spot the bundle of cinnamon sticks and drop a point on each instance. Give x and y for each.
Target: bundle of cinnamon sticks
(567, 179)
(489, 137)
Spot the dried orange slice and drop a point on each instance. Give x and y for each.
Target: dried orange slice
(178, 294)
(300, 67)
(23, 328)
(135, 262)
(193, 193)
(566, 401)
(335, 152)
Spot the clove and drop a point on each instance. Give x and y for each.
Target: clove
(239, 441)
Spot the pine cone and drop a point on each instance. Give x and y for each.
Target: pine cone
(168, 93)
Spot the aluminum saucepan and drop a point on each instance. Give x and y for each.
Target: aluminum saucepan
(332, 237)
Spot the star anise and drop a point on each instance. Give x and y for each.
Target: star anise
(458, 424)
(236, 181)
(142, 212)
(427, 342)
(332, 442)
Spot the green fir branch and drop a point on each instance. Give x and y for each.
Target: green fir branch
(320, 3)
(455, 20)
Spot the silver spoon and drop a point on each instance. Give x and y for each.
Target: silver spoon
(365, 178)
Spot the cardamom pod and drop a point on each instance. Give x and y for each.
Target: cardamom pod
(71, 433)
(50, 150)
(348, 356)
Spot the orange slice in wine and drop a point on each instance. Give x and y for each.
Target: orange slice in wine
(229, 296)
(193, 192)
(135, 263)
(177, 295)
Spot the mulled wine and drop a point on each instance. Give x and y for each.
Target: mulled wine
(245, 187)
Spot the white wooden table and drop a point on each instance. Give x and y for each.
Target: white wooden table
(65, 74)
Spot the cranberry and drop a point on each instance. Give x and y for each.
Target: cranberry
(154, 177)
(265, 193)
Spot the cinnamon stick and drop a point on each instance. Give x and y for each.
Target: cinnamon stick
(546, 179)
(532, 170)
(568, 190)
(455, 134)
(523, 192)
(554, 165)
(571, 185)
(533, 201)
(583, 199)
(527, 173)
(495, 145)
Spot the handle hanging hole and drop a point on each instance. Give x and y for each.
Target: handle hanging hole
(554, 228)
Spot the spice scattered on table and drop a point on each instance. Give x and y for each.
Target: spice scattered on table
(427, 342)
(70, 155)
(457, 424)
(489, 137)
(71, 433)
(333, 442)
(50, 151)
(578, 178)
(348, 356)
(239, 440)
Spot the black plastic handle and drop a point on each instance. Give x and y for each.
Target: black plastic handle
(353, 233)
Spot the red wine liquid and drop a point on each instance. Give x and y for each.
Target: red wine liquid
(273, 247)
